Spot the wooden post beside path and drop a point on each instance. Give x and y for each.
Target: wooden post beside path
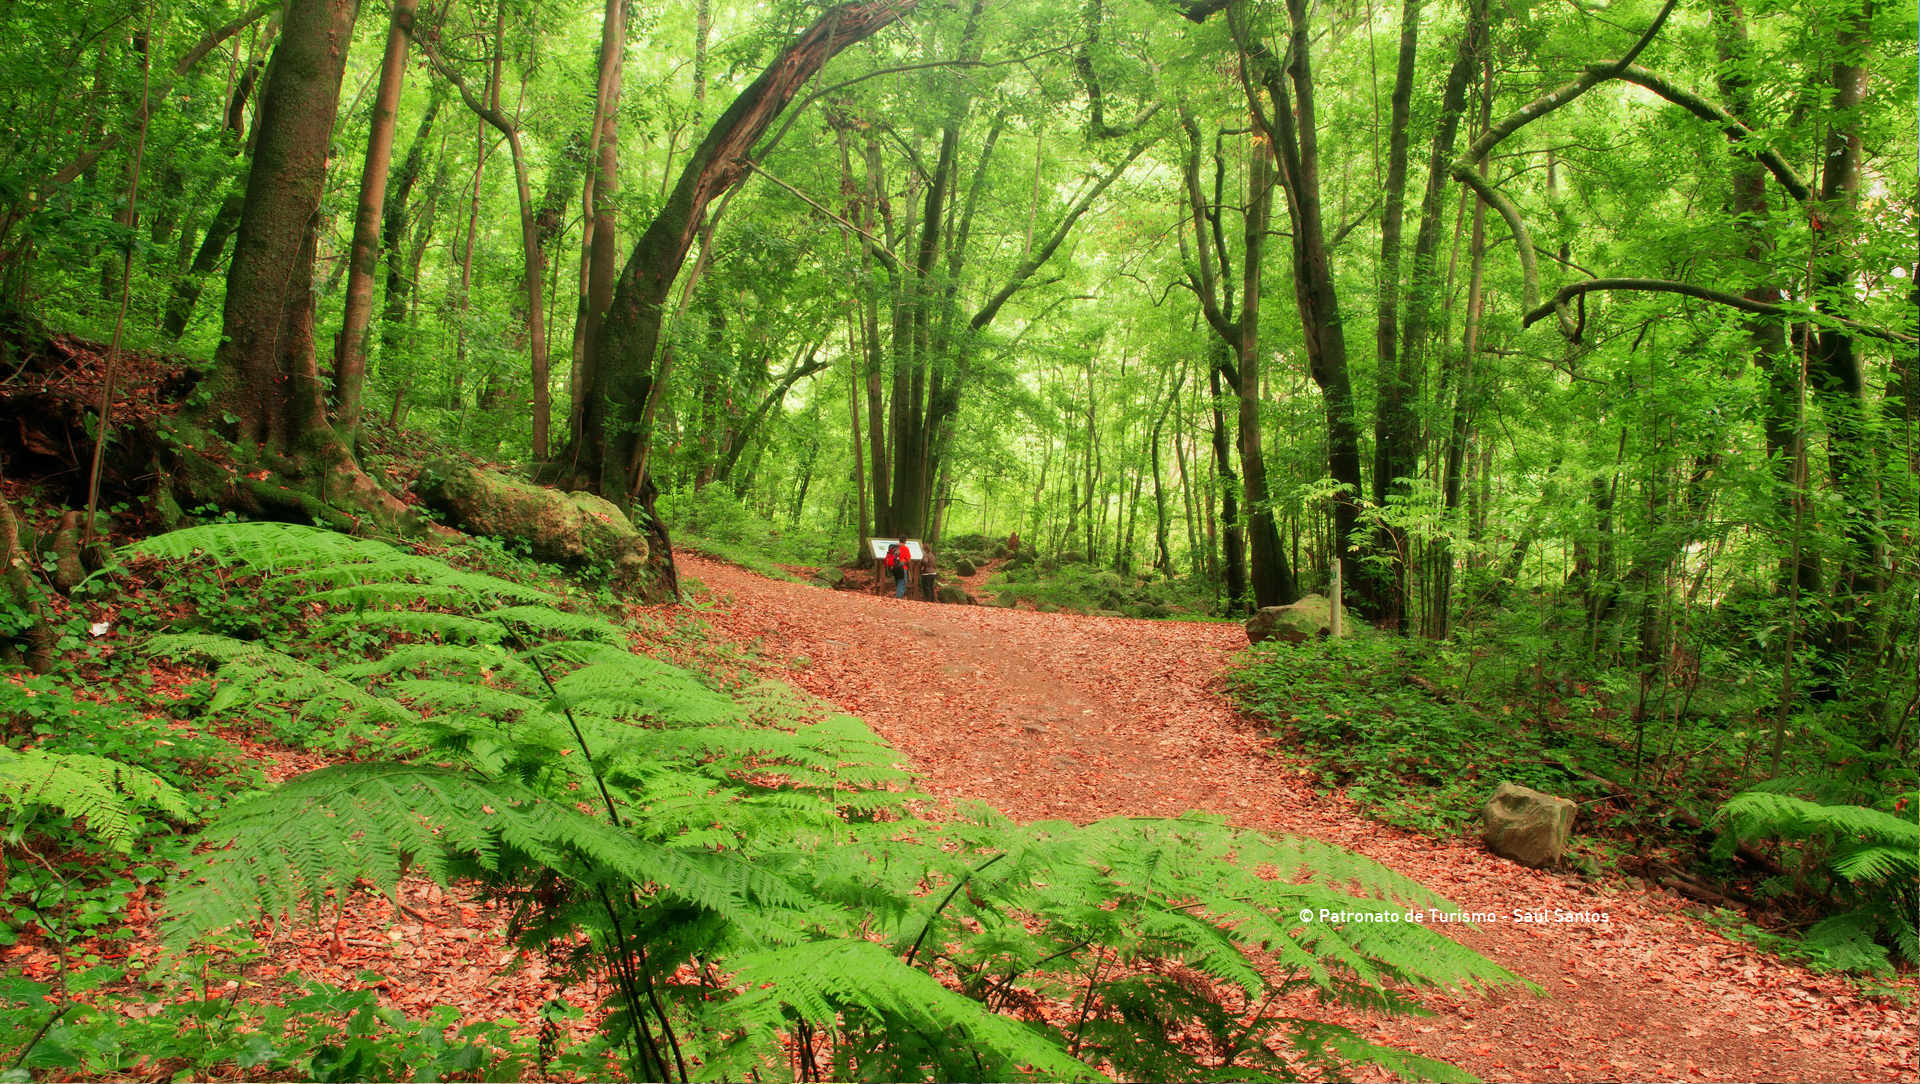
(1335, 621)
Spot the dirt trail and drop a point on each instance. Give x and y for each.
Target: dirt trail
(1063, 716)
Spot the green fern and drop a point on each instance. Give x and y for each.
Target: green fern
(646, 827)
(929, 1030)
(1871, 855)
(106, 792)
(252, 673)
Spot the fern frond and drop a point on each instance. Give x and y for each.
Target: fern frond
(315, 555)
(284, 851)
(251, 673)
(548, 620)
(1846, 943)
(105, 792)
(450, 697)
(260, 547)
(1764, 815)
(627, 686)
(481, 662)
(1348, 1046)
(820, 980)
(451, 627)
(1876, 862)
(361, 595)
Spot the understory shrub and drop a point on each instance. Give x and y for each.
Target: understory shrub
(1863, 863)
(1403, 755)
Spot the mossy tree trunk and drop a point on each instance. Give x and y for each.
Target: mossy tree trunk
(266, 406)
(606, 448)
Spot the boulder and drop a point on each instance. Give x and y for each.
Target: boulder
(1307, 619)
(954, 593)
(1526, 825)
(576, 530)
(965, 567)
(1007, 600)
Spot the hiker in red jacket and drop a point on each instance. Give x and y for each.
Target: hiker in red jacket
(896, 565)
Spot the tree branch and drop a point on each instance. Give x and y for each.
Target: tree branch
(1741, 136)
(1045, 252)
(1661, 286)
(880, 248)
(193, 56)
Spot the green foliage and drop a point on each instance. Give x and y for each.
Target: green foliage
(713, 521)
(107, 793)
(1405, 756)
(323, 1033)
(1869, 859)
(1083, 588)
(742, 869)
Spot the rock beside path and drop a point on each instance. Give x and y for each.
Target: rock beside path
(577, 530)
(1526, 825)
(1308, 619)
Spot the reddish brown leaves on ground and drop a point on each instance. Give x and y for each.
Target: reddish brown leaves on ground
(1062, 716)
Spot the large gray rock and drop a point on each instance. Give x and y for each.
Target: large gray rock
(1526, 825)
(954, 593)
(964, 567)
(1307, 619)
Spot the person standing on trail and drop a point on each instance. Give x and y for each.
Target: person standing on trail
(896, 565)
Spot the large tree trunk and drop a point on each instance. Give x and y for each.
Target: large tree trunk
(1292, 131)
(350, 353)
(266, 377)
(394, 235)
(1835, 366)
(1456, 448)
(607, 447)
(1233, 544)
(1393, 420)
(1266, 561)
(266, 397)
(599, 247)
(1769, 334)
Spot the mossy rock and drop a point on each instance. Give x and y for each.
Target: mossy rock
(1308, 619)
(1047, 608)
(578, 531)
(1006, 600)
(965, 567)
(955, 594)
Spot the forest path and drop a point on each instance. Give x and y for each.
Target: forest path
(1064, 716)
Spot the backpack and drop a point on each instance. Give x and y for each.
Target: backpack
(896, 558)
